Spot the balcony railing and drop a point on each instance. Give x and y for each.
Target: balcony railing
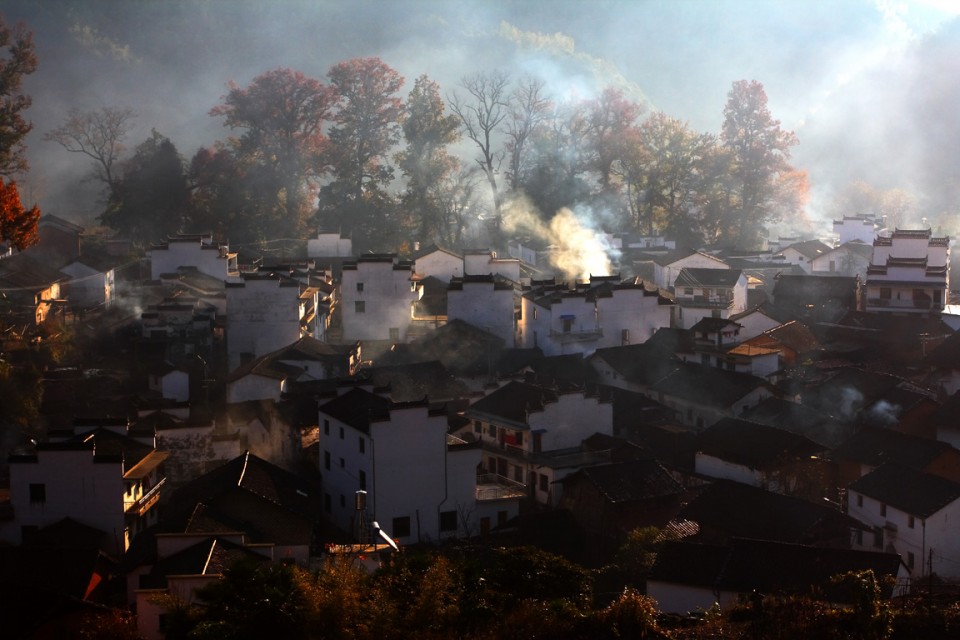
(145, 502)
(491, 486)
(565, 337)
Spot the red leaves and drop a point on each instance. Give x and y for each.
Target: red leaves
(17, 225)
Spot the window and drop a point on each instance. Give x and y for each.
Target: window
(544, 483)
(326, 460)
(363, 480)
(363, 444)
(359, 287)
(501, 518)
(492, 431)
(326, 503)
(910, 559)
(477, 426)
(394, 334)
(448, 521)
(341, 433)
(688, 291)
(401, 527)
(859, 500)
(326, 427)
(38, 493)
(343, 501)
(910, 521)
(343, 463)
(567, 324)
(833, 265)
(884, 293)
(883, 509)
(360, 306)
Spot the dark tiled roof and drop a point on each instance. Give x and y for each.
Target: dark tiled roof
(809, 248)
(755, 445)
(459, 345)
(708, 385)
(907, 489)
(644, 363)
(357, 408)
(631, 481)
(699, 277)
(799, 419)
(210, 557)
(512, 402)
(876, 446)
(415, 381)
(740, 510)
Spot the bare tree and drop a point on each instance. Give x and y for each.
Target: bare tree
(98, 134)
(529, 109)
(481, 114)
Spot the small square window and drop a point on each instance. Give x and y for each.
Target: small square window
(448, 521)
(326, 427)
(326, 460)
(359, 286)
(363, 480)
(362, 444)
(38, 493)
(883, 510)
(343, 463)
(360, 306)
(401, 527)
(341, 433)
(910, 522)
(859, 500)
(343, 501)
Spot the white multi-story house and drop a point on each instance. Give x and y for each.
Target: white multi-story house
(909, 273)
(802, 253)
(521, 424)
(329, 244)
(199, 251)
(108, 478)
(487, 302)
(668, 265)
(862, 228)
(377, 292)
(913, 513)
(438, 262)
(478, 262)
(709, 293)
(580, 318)
(264, 313)
(420, 484)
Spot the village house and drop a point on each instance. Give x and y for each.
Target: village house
(763, 456)
(871, 447)
(30, 290)
(106, 476)
(663, 267)
(913, 513)
(527, 432)
(377, 292)
(708, 293)
(815, 298)
(703, 395)
(580, 318)
(438, 262)
(803, 253)
(851, 259)
(267, 377)
(193, 250)
(479, 262)
(755, 321)
(633, 367)
(727, 509)
(329, 244)
(420, 484)
(265, 312)
(858, 228)
(909, 273)
(487, 302)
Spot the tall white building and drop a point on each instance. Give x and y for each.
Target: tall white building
(377, 292)
(909, 273)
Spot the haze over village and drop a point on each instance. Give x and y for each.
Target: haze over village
(526, 319)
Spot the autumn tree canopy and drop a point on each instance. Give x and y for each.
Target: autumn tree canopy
(18, 225)
(281, 117)
(766, 187)
(17, 59)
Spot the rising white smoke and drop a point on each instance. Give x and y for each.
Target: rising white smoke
(578, 249)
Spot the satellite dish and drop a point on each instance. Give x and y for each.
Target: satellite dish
(383, 534)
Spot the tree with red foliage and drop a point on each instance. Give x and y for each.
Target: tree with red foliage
(366, 128)
(17, 59)
(18, 226)
(768, 187)
(282, 114)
